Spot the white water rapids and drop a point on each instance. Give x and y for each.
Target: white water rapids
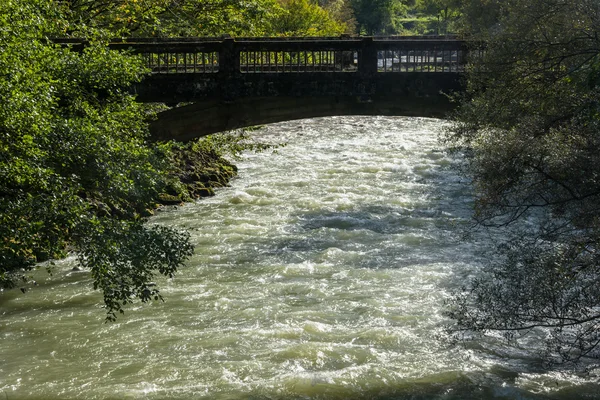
(321, 273)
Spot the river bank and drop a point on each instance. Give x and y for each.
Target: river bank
(196, 173)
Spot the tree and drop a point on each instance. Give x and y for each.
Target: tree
(303, 18)
(341, 11)
(444, 10)
(529, 125)
(376, 17)
(184, 18)
(168, 18)
(75, 167)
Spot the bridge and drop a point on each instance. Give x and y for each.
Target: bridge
(234, 83)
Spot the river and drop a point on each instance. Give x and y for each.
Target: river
(321, 273)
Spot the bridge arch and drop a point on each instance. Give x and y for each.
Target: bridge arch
(211, 116)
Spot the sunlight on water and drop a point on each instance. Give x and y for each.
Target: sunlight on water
(321, 273)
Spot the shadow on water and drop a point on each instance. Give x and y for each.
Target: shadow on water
(33, 301)
(382, 236)
(450, 386)
(445, 386)
(378, 219)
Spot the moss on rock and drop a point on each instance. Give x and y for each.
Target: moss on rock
(196, 173)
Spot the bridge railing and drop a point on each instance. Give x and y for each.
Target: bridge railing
(435, 59)
(185, 62)
(299, 55)
(167, 57)
(266, 61)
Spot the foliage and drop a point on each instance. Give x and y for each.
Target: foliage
(168, 18)
(342, 12)
(304, 18)
(74, 165)
(379, 17)
(407, 17)
(529, 125)
(124, 257)
(444, 12)
(232, 144)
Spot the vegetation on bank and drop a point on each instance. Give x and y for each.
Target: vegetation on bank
(77, 169)
(530, 126)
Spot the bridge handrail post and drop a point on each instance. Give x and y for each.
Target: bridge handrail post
(229, 67)
(228, 57)
(367, 58)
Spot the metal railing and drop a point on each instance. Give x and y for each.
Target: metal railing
(420, 60)
(295, 55)
(178, 63)
(299, 55)
(262, 61)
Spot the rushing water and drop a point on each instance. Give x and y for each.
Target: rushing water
(321, 273)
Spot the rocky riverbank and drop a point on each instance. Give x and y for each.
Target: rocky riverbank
(196, 172)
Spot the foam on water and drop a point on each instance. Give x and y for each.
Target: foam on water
(320, 273)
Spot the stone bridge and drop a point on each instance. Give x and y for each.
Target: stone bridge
(234, 83)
